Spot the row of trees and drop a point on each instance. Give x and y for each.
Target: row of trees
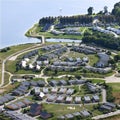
(102, 39)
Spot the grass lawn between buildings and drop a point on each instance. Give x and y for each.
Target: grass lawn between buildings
(58, 110)
(116, 91)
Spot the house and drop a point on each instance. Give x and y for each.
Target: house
(37, 67)
(54, 89)
(105, 108)
(35, 109)
(62, 90)
(12, 107)
(51, 98)
(75, 114)
(45, 90)
(20, 104)
(70, 91)
(33, 83)
(60, 99)
(41, 83)
(69, 116)
(26, 102)
(103, 61)
(37, 90)
(53, 83)
(41, 95)
(45, 115)
(62, 82)
(30, 66)
(95, 98)
(77, 99)
(87, 99)
(112, 105)
(85, 113)
(85, 59)
(69, 99)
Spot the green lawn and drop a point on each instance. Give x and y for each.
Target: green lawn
(14, 49)
(58, 110)
(97, 80)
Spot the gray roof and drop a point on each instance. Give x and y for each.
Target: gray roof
(62, 90)
(70, 91)
(110, 104)
(86, 98)
(68, 116)
(60, 98)
(85, 113)
(76, 114)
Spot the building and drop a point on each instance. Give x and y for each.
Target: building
(45, 90)
(62, 90)
(51, 98)
(85, 113)
(53, 83)
(60, 99)
(77, 99)
(87, 99)
(45, 115)
(54, 89)
(62, 82)
(69, 116)
(69, 99)
(35, 109)
(70, 91)
(95, 98)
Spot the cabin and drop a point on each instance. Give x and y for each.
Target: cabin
(51, 98)
(85, 113)
(95, 98)
(62, 90)
(77, 99)
(60, 99)
(35, 109)
(69, 116)
(70, 91)
(87, 99)
(69, 99)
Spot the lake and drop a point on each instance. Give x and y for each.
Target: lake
(17, 16)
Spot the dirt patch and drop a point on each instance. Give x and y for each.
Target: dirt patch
(117, 97)
(2, 91)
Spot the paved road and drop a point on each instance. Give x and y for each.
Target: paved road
(106, 115)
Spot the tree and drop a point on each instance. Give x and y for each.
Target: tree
(90, 10)
(105, 9)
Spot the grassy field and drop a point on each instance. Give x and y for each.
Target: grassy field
(64, 109)
(97, 80)
(6, 79)
(14, 49)
(116, 91)
(9, 88)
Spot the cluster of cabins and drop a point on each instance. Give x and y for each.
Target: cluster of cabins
(107, 107)
(52, 47)
(108, 30)
(19, 104)
(117, 31)
(100, 29)
(71, 116)
(35, 110)
(52, 54)
(92, 88)
(6, 98)
(98, 70)
(68, 65)
(84, 49)
(103, 60)
(17, 115)
(63, 96)
(24, 87)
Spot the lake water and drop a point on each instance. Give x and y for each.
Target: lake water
(17, 16)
